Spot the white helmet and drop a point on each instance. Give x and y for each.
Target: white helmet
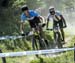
(51, 7)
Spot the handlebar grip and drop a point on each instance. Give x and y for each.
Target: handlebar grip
(64, 26)
(22, 34)
(50, 29)
(43, 25)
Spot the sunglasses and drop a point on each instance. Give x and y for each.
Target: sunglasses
(52, 12)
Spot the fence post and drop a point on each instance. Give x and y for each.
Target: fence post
(3, 58)
(74, 52)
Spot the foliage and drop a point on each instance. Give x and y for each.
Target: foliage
(69, 3)
(9, 25)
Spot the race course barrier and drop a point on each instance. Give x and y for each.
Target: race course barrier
(10, 37)
(26, 53)
(12, 54)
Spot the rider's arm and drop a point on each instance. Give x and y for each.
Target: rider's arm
(47, 23)
(48, 18)
(41, 18)
(22, 27)
(63, 21)
(23, 19)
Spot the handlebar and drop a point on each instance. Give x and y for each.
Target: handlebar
(49, 29)
(25, 34)
(64, 26)
(43, 25)
(31, 32)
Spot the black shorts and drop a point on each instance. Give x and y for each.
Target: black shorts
(33, 23)
(60, 23)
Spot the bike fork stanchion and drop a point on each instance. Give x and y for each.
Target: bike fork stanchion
(74, 52)
(3, 58)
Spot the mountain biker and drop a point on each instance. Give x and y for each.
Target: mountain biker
(57, 19)
(31, 16)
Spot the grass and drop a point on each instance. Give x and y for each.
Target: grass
(66, 57)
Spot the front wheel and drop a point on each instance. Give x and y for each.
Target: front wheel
(34, 43)
(58, 40)
(42, 43)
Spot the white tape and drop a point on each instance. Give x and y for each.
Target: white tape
(11, 54)
(10, 37)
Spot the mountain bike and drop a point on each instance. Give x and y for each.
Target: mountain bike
(37, 38)
(57, 38)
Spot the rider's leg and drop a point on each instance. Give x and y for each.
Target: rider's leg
(63, 35)
(33, 42)
(33, 39)
(55, 39)
(61, 30)
(54, 35)
(54, 26)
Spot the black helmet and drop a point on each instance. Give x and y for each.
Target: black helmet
(25, 7)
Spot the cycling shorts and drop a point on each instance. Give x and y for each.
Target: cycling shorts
(35, 22)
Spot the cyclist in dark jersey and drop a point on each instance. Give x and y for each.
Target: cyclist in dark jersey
(57, 19)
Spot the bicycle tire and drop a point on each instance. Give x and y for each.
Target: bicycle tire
(42, 43)
(34, 43)
(58, 40)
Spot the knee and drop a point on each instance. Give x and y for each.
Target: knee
(61, 30)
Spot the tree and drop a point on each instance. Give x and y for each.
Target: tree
(69, 4)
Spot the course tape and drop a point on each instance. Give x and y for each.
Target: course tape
(10, 37)
(12, 54)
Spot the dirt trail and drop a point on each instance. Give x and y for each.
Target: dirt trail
(67, 40)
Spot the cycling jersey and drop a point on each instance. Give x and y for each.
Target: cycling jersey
(32, 19)
(32, 14)
(55, 17)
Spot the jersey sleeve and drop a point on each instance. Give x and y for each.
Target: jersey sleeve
(48, 17)
(58, 13)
